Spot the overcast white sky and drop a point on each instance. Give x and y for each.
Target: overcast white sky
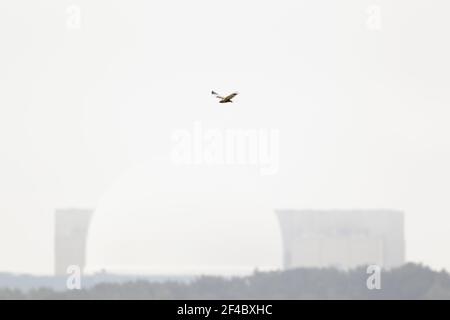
(362, 114)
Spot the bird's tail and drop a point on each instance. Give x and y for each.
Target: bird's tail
(214, 93)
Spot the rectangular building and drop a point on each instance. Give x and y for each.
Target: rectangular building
(71, 229)
(343, 239)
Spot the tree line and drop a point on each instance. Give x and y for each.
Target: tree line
(411, 281)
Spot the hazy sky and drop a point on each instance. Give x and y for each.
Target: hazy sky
(362, 109)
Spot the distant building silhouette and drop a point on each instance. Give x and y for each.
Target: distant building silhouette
(342, 238)
(71, 228)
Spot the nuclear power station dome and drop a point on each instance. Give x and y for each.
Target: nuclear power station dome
(163, 218)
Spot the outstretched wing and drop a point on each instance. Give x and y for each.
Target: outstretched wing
(231, 96)
(217, 95)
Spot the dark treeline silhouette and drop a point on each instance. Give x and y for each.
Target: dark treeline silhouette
(411, 281)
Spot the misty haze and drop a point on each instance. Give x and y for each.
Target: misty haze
(224, 150)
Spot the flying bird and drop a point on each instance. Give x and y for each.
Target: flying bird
(224, 99)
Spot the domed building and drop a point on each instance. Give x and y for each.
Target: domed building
(186, 220)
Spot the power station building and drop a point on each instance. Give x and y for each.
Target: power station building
(343, 239)
(71, 228)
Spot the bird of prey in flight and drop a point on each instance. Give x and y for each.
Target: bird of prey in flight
(225, 99)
